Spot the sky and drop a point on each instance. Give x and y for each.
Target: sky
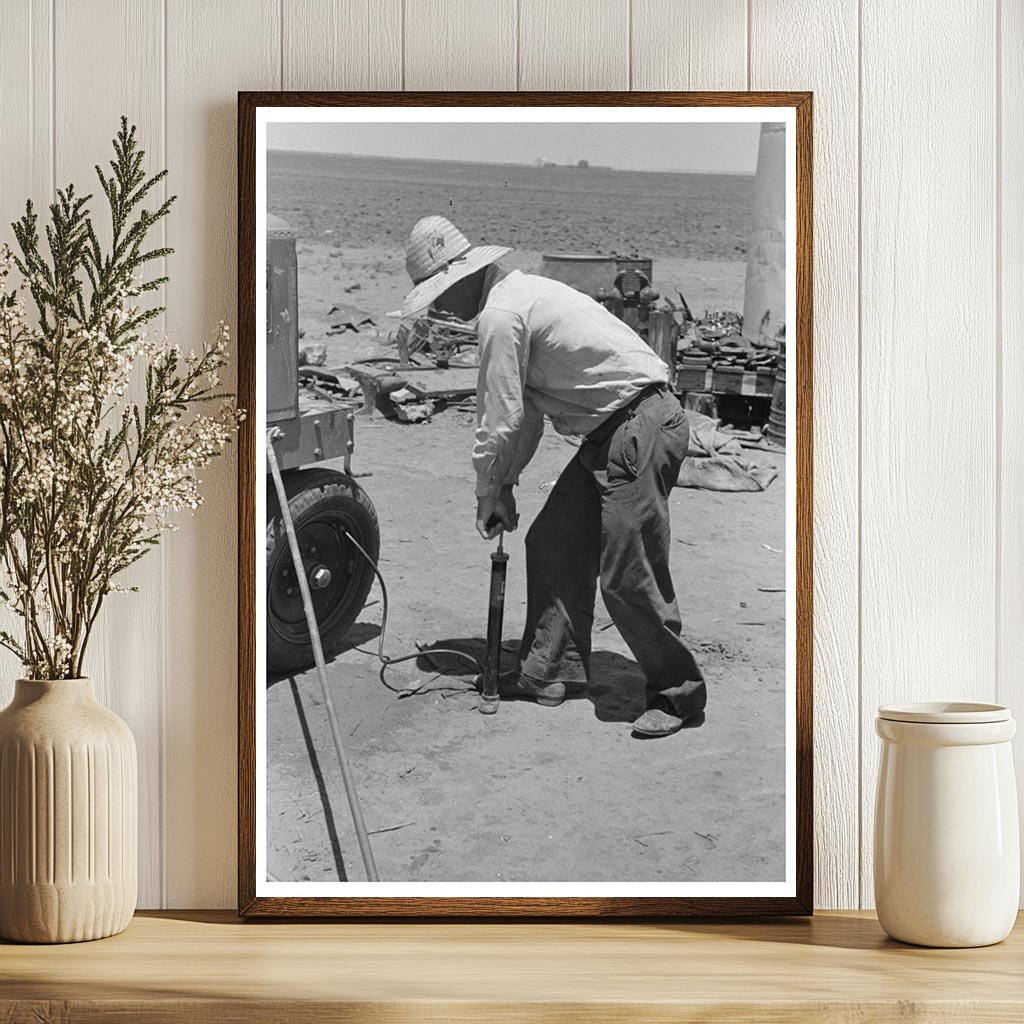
(709, 148)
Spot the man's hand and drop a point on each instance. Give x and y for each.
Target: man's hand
(496, 512)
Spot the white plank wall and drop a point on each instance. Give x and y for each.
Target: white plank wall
(688, 44)
(574, 44)
(929, 347)
(213, 50)
(831, 72)
(26, 129)
(460, 44)
(127, 638)
(1009, 273)
(341, 44)
(919, 306)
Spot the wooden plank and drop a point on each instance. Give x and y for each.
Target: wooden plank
(830, 70)
(1010, 254)
(724, 382)
(232, 1011)
(691, 44)
(342, 44)
(574, 44)
(125, 655)
(213, 50)
(26, 108)
(208, 967)
(928, 407)
(460, 44)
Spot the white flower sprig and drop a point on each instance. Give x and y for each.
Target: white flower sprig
(89, 476)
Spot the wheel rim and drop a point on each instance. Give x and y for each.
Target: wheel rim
(323, 542)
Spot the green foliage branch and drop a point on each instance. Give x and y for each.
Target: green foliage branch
(103, 430)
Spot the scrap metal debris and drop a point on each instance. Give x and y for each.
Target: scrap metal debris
(719, 323)
(348, 318)
(410, 407)
(313, 355)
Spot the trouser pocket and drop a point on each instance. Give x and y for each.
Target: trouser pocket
(653, 432)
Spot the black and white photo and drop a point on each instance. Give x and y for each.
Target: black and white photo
(525, 460)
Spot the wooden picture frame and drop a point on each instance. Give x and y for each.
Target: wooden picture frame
(253, 903)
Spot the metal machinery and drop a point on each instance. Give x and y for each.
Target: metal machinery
(328, 508)
(620, 283)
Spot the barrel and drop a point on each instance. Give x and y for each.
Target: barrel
(777, 413)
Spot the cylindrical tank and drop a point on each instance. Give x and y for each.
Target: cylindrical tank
(777, 411)
(764, 297)
(585, 271)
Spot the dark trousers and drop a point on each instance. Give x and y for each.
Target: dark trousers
(607, 519)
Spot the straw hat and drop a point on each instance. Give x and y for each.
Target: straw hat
(439, 254)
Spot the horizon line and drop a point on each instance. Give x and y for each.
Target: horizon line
(508, 163)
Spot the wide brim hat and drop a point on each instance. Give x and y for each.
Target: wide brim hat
(437, 256)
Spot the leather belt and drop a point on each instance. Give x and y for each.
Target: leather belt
(603, 430)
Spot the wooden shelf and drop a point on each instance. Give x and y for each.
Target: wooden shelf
(210, 967)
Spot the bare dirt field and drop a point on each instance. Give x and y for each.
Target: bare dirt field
(534, 793)
(531, 793)
(369, 201)
(339, 284)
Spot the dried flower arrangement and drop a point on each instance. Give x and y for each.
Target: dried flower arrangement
(91, 472)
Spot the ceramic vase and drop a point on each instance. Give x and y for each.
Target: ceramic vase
(68, 815)
(947, 847)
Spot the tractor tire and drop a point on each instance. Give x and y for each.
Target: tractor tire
(326, 507)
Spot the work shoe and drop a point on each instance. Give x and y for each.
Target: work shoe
(514, 684)
(661, 720)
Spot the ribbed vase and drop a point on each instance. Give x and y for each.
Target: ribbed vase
(68, 815)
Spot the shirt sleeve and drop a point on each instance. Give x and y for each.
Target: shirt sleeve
(509, 425)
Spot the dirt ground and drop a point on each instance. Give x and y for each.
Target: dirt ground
(370, 281)
(531, 793)
(534, 793)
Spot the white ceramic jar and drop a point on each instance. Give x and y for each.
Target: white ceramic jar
(947, 847)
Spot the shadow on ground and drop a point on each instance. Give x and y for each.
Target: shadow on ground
(361, 634)
(325, 800)
(616, 688)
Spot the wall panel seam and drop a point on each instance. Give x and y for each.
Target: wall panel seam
(997, 265)
(162, 697)
(629, 45)
(53, 97)
(280, 42)
(519, 39)
(859, 867)
(33, 170)
(750, 44)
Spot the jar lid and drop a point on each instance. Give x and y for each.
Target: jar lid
(945, 713)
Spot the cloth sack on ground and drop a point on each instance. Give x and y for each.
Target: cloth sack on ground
(724, 473)
(713, 462)
(707, 439)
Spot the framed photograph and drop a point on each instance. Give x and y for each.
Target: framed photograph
(525, 504)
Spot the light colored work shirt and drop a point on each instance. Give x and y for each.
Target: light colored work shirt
(548, 350)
